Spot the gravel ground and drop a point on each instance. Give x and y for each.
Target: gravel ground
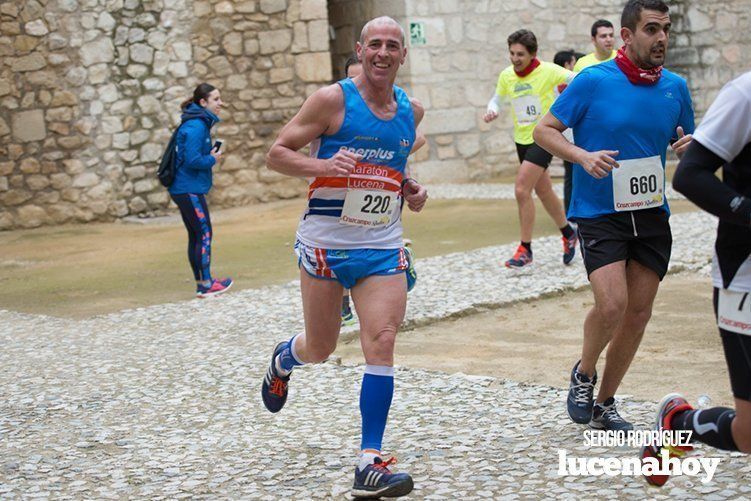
(163, 402)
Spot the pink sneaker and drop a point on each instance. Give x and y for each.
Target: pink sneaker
(217, 287)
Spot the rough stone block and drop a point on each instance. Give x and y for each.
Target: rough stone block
(315, 9)
(237, 82)
(31, 62)
(272, 6)
(142, 53)
(36, 28)
(62, 114)
(28, 126)
(31, 216)
(85, 180)
(318, 35)
(233, 43)
(698, 20)
(64, 98)
(60, 181)
(251, 47)
(137, 205)
(220, 66)
(448, 120)
(37, 182)
(278, 75)
(313, 67)
(24, 43)
(30, 166)
(73, 166)
(246, 7)
(224, 8)
(15, 197)
(182, 51)
(201, 9)
(98, 51)
(440, 171)
(149, 104)
(274, 41)
(151, 152)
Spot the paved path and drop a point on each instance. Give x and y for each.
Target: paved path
(162, 402)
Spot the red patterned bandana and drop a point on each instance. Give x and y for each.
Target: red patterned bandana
(636, 75)
(529, 69)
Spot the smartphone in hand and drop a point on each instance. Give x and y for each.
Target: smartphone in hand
(217, 145)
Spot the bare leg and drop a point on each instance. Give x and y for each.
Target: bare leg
(381, 301)
(610, 290)
(642, 289)
(526, 180)
(321, 300)
(551, 202)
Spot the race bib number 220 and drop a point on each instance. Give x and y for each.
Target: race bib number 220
(370, 208)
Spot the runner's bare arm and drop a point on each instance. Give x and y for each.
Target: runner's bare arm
(549, 135)
(320, 113)
(420, 141)
(414, 193)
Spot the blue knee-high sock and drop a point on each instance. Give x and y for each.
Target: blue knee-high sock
(287, 359)
(375, 402)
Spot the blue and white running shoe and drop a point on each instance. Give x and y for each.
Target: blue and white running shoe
(580, 401)
(375, 481)
(274, 388)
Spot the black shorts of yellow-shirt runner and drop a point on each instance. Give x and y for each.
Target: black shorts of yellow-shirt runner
(642, 235)
(533, 153)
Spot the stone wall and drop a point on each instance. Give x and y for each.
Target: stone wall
(90, 90)
(712, 45)
(454, 73)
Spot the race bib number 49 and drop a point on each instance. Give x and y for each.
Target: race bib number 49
(527, 109)
(638, 184)
(370, 208)
(734, 311)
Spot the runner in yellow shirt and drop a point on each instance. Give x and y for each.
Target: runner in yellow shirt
(603, 38)
(529, 85)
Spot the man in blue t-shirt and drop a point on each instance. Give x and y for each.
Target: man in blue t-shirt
(624, 114)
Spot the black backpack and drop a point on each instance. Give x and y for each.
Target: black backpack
(168, 164)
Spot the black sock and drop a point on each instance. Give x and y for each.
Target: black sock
(527, 245)
(714, 426)
(567, 231)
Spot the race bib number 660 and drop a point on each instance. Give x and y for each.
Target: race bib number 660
(638, 184)
(734, 311)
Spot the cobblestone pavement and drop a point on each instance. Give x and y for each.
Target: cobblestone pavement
(163, 402)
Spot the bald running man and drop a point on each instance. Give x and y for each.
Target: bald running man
(350, 235)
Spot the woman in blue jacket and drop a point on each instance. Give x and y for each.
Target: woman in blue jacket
(196, 157)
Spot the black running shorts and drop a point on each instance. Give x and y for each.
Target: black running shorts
(533, 153)
(738, 357)
(643, 236)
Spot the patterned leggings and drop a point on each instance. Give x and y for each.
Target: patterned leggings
(195, 213)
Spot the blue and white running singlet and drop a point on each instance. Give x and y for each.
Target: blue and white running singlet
(364, 209)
